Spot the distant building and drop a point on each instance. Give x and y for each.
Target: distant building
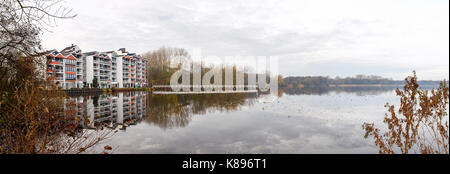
(70, 68)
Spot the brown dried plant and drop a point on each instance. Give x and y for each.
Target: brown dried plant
(33, 112)
(420, 125)
(35, 120)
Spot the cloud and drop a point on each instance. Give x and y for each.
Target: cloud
(403, 34)
(259, 132)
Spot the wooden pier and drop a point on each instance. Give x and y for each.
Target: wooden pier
(204, 89)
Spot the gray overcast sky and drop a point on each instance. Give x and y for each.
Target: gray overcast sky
(311, 37)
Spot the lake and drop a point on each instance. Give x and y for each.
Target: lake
(295, 121)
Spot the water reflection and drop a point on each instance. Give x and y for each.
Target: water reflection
(122, 110)
(298, 121)
(360, 91)
(171, 111)
(125, 109)
(118, 110)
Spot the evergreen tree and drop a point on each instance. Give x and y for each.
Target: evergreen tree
(95, 83)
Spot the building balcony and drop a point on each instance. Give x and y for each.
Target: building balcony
(56, 63)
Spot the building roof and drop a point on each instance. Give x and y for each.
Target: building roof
(73, 49)
(90, 53)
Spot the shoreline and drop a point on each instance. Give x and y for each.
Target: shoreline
(104, 90)
(365, 85)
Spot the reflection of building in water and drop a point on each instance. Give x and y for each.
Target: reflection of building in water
(113, 111)
(165, 111)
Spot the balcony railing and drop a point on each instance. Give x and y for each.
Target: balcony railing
(56, 63)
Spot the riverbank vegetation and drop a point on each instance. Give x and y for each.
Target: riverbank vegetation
(159, 64)
(166, 61)
(323, 83)
(34, 115)
(419, 125)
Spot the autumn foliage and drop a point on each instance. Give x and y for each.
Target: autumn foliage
(419, 125)
(35, 116)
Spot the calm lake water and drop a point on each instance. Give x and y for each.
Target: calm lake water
(294, 122)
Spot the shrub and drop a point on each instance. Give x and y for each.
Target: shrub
(420, 125)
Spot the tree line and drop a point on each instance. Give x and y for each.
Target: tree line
(166, 61)
(327, 82)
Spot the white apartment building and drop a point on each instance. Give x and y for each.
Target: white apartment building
(65, 67)
(119, 69)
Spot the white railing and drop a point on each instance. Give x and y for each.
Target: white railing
(205, 86)
(205, 92)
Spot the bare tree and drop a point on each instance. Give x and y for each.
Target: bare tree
(160, 62)
(32, 118)
(22, 21)
(21, 25)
